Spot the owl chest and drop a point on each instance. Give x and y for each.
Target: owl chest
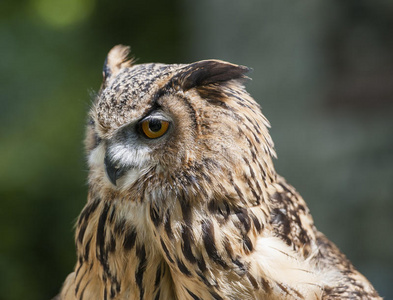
(118, 256)
(193, 246)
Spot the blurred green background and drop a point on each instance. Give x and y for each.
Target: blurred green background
(323, 73)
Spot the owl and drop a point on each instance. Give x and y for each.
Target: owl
(184, 201)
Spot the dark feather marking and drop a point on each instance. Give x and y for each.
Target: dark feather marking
(158, 276)
(252, 174)
(195, 297)
(112, 215)
(253, 281)
(256, 138)
(186, 211)
(216, 296)
(243, 217)
(157, 297)
(194, 181)
(297, 293)
(210, 246)
(258, 187)
(88, 210)
(262, 169)
(242, 267)
(186, 245)
(129, 239)
(254, 155)
(255, 126)
(87, 250)
(228, 247)
(113, 292)
(237, 189)
(279, 218)
(167, 225)
(166, 251)
(254, 193)
(79, 282)
(256, 222)
(112, 244)
(276, 197)
(82, 230)
(204, 279)
(288, 224)
(241, 102)
(253, 133)
(155, 217)
(83, 290)
(248, 246)
(100, 236)
(182, 267)
(102, 254)
(213, 95)
(211, 164)
(286, 189)
(191, 179)
(141, 254)
(241, 133)
(265, 285)
(207, 177)
(201, 264)
(215, 206)
(301, 207)
(283, 288)
(79, 268)
(119, 226)
(194, 115)
(212, 206)
(228, 210)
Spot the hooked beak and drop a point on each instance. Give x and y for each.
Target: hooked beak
(113, 170)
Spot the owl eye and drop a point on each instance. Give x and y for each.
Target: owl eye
(154, 128)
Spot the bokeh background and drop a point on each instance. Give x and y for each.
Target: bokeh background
(323, 73)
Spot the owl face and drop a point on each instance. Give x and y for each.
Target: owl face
(166, 119)
(129, 151)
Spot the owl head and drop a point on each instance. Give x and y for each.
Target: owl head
(193, 123)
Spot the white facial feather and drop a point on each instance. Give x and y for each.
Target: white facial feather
(130, 177)
(137, 158)
(130, 155)
(96, 157)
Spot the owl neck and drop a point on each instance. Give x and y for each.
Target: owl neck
(192, 228)
(117, 254)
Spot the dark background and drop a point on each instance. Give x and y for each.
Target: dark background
(323, 73)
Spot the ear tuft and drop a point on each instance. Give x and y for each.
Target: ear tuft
(207, 72)
(117, 59)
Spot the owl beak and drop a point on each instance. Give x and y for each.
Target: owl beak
(113, 170)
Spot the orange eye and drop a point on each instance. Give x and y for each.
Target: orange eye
(154, 128)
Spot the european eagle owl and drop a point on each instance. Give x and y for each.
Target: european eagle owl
(184, 201)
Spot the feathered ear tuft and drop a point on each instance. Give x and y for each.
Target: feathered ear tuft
(116, 60)
(207, 72)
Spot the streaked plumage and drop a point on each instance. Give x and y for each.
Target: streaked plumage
(197, 210)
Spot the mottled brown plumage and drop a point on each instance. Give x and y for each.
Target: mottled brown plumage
(184, 201)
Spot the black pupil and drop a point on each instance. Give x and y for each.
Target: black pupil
(155, 125)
